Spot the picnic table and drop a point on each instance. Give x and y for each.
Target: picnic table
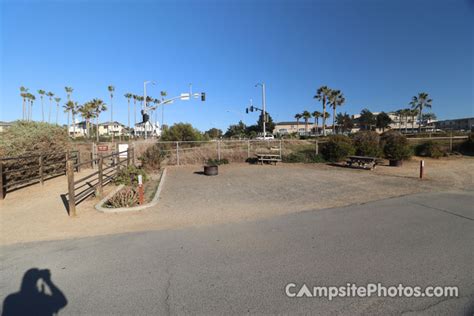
(264, 157)
(361, 162)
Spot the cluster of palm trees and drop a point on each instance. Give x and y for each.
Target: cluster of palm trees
(418, 104)
(28, 100)
(91, 110)
(328, 97)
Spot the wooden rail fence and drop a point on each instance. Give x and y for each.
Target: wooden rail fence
(21, 171)
(108, 167)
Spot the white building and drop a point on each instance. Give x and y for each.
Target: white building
(152, 130)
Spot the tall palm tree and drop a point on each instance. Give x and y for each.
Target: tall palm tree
(111, 91)
(298, 117)
(316, 115)
(306, 116)
(413, 114)
(24, 94)
(325, 117)
(163, 94)
(135, 98)
(50, 95)
(87, 112)
(57, 100)
(98, 106)
(419, 102)
(69, 91)
(32, 99)
(406, 113)
(128, 96)
(322, 95)
(399, 114)
(336, 98)
(42, 93)
(68, 107)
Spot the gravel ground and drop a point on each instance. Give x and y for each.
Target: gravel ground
(241, 192)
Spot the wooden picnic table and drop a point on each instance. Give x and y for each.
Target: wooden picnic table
(264, 157)
(362, 162)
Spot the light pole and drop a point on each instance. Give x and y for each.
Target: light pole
(144, 104)
(263, 106)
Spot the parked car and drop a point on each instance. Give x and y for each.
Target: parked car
(267, 137)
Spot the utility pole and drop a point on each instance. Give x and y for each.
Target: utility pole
(263, 108)
(144, 110)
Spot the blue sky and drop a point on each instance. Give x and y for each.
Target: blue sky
(379, 53)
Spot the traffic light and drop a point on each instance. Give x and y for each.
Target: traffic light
(251, 108)
(203, 96)
(247, 110)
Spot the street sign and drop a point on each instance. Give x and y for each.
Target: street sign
(184, 96)
(123, 150)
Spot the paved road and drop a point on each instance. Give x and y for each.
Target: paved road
(243, 268)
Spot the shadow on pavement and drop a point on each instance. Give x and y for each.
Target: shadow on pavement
(37, 296)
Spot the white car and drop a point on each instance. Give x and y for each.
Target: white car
(266, 137)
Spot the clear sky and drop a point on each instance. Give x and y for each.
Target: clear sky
(379, 53)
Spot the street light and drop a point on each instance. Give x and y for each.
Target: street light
(144, 104)
(263, 106)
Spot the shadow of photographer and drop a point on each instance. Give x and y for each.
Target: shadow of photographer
(37, 296)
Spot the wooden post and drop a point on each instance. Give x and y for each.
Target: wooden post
(70, 185)
(218, 150)
(451, 142)
(117, 162)
(100, 184)
(177, 153)
(133, 156)
(317, 147)
(422, 166)
(128, 156)
(78, 153)
(66, 158)
(280, 150)
(41, 170)
(2, 182)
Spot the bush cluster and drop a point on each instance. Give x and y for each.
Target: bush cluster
(337, 148)
(303, 156)
(367, 143)
(467, 147)
(126, 197)
(129, 176)
(395, 146)
(217, 162)
(430, 149)
(152, 158)
(33, 137)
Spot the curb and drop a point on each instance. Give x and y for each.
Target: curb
(153, 202)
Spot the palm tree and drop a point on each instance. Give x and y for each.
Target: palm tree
(24, 94)
(69, 91)
(57, 100)
(336, 98)
(50, 95)
(322, 95)
(31, 98)
(42, 93)
(163, 94)
(413, 114)
(316, 115)
(326, 115)
(111, 91)
(419, 102)
(68, 107)
(128, 96)
(399, 114)
(135, 97)
(298, 117)
(98, 107)
(87, 112)
(306, 116)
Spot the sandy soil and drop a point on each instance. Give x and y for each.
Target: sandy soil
(241, 192)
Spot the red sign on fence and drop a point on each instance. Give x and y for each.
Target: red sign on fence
(102, 148)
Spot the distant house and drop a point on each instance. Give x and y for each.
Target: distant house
(152, 130)
(460, 124)
(115, 128)
(79, 129)
(4, 126)
(290, 127)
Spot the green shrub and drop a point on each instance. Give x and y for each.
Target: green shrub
(129, 176)
(395, 146)
(367, 143)
(467, 147)
(429, 149)
(126, 197)
(181, 132)
(337, 148)
(152, 158)
(217, 162)
(33, 137)
(303, 156)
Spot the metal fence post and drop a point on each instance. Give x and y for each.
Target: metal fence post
(99, 189)
(177, 153)
(280, 148)
(40, 162)
(2, 182)
(128, 156)
(451, 142)
(218, 149)
(317, 147)
(70, 185)
(117, 162)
